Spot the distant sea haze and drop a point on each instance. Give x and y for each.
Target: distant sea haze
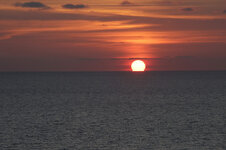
(113, 110)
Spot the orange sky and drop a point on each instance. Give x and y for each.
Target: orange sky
(104, 35)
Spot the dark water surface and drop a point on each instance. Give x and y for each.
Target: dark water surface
(113, 111)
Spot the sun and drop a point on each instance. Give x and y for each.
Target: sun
(138, 65)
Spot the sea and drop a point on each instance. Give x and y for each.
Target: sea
(177, 110)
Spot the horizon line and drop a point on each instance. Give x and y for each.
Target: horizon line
(112, 71)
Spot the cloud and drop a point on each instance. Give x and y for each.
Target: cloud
(126, 3)
(140, 58)
(224, 12)
(188, 9)
(44, 15)
(31, 5)
(72, 6)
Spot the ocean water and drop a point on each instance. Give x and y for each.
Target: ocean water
(113, 111)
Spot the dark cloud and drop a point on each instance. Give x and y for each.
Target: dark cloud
(187, 9)
(72, 6)
(224, 11)
(31, 5)
(126, 3)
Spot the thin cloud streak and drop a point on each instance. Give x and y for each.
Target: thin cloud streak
(136, 58)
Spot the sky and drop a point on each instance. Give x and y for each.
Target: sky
(107, 35)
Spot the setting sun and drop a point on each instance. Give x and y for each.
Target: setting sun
(138, 65)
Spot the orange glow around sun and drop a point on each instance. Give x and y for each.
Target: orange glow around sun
(138, 65)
